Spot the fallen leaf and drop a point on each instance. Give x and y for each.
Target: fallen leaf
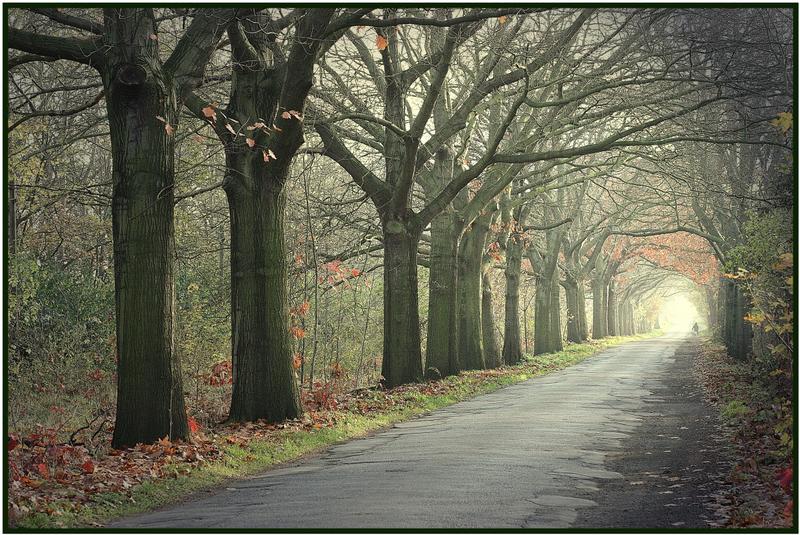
(43, 470)
(194, 426)
(88, 467)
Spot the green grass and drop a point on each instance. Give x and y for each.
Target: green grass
(290, 445)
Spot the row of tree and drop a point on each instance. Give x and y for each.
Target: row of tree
(554, 143)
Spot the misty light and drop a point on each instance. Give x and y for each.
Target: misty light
(678, 314)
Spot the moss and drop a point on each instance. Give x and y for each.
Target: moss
(290, 445)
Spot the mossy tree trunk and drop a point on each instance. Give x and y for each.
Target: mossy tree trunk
(470, 257)
(442, 358)
(264, 385)
(512, 337)
(611, 311)
(143, 97)
(583, 327)
(547, 314)
(402, 357)
(258, 156)
(149, 387)
(491, 348)
(599, 308)
(575, 321)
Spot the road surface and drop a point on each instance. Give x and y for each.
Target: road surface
(621, 440)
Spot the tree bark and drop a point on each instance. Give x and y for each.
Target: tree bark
(512, 341)
(491, 348)
(149, 386)
(599, 309)
(470, 258)
(257, 167)
(583, 327)
(547, 316)
(402, 357)
(574, 312)
(441, 356)
(264, 385)
(611, 307)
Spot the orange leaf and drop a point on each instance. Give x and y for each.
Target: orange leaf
(88, 467)
(169, 129)
(286, 115)
(502, 19)
(194, 427)
(210, 113)
(297, 361)
(297, 332)
(381, 43)
(43, 470)
(250, 142)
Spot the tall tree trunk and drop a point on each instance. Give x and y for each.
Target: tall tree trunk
(491, 348)
(441, 356)
(512, 342)
(599, 309)
(583, 327)
(258, 159)
(264, 385)
(402, 357)
(470, 257)
(611, 307)
(741, 332)
(573, 310)
(712, 306)
(12, 217)
(149, 387)
(547, 315)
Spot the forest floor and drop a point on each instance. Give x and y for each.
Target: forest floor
(756, 426)
(56, 485)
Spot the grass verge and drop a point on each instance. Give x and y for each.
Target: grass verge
(240, 458)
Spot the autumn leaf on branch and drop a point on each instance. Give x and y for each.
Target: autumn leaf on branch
(210, 113)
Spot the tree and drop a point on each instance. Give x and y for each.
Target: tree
(261, 130)
(404, 156)
(143, 96)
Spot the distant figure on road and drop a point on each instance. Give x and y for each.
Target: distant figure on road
(695, 329)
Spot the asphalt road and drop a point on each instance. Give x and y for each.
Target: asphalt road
(621, 440)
